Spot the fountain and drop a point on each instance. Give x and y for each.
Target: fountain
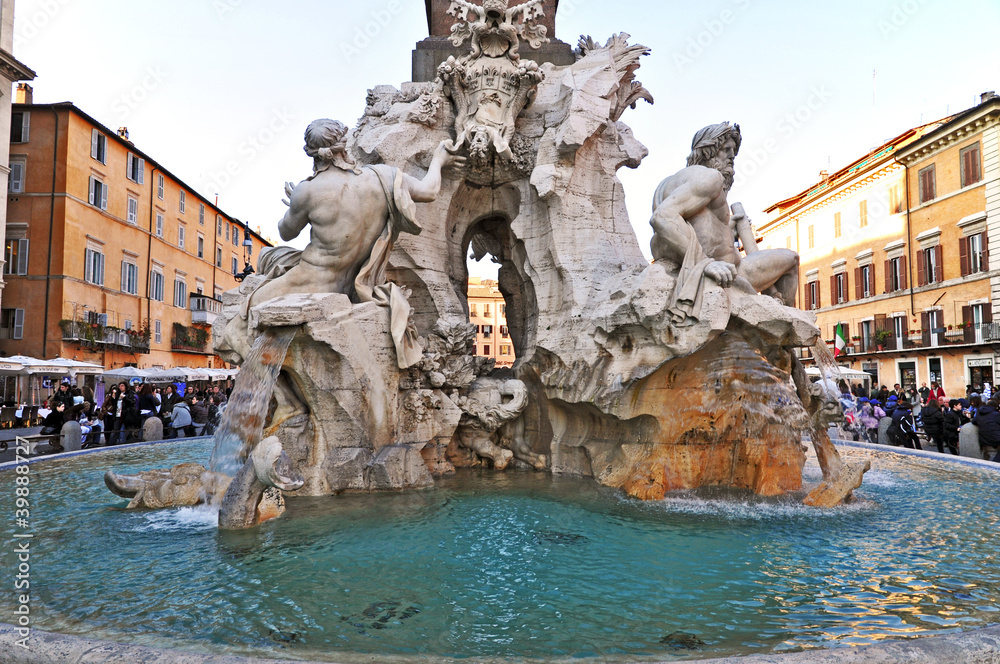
(655, 414)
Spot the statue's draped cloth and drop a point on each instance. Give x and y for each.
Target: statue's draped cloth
(370, 284)
(685, 302)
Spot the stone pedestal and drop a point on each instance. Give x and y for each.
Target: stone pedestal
(152, 429)
(72, 436)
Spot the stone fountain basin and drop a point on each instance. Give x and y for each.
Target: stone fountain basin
(526, 566)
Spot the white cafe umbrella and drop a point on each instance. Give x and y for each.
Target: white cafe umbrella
(33, 365)
(9, 367)
(125, 373)
(176, 374)
(76, 367)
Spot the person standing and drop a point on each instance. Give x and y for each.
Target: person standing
(951, 425)
(147, 403)
(925, 392)
(934, 423)
(988, 421)
(167, 403)
(937, 392)
(107, 413)
(902, 431)
(199, 415)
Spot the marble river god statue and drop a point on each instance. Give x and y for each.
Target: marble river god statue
(649, 378)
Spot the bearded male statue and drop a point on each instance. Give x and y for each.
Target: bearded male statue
(695, 229)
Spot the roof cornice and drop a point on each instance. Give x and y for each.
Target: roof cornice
(973, 121)
(13, 69)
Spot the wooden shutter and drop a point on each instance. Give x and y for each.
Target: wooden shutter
(987, 313)
(129, 164)
(925, 324)
(94, 136)
(25, 126)
(903, 280)
(142, 170)
(22, 257)
(888, 276)
(970, 334)
(985, 254)
(819, 296)
(847, 332)
(963, 255)
(938, 264)
(18, 323)
(921, 270)
(834, 298)
(858, 294)
(92, 189)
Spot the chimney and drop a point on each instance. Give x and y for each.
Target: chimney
(824, 176)
(983, 98)
(24, 94)
(123, 132)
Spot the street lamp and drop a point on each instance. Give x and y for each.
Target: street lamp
(247, 254)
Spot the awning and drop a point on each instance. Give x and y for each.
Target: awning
(75, 367)
(31, 365)
(125, 373)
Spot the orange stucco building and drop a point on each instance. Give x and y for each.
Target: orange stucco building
(896, 248)
(109, 257)
(488, 312)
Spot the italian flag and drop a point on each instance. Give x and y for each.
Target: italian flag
(839, 341)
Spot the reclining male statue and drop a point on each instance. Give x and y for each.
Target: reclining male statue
(356, 214)
(693, 227)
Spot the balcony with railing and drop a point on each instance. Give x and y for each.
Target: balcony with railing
(204, 309)
(94, 335)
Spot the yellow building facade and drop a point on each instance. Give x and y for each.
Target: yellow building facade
(488, 312)
(109, 257)
(895, 248)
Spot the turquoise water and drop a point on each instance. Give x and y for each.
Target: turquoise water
(517, 565)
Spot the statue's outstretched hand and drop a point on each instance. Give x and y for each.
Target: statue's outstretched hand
(446, 158)
(721, 273)
(289, 188)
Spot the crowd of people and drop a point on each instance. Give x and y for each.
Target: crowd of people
(122, 416)
(927, 410)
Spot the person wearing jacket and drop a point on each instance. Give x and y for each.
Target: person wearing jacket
(933, 420)
(147, 403)
(871, 415)
(54, 421)
(988, 421)
(180, 421)
(902, 430)
(199, 414)
(168, 401)
(62, 395)
(107, 413)
(952, 423)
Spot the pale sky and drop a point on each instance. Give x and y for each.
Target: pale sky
(220, 91)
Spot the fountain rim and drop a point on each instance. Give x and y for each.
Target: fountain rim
(53, 647)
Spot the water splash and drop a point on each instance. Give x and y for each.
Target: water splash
(243, 419)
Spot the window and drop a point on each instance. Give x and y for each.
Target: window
(130, 278)
(811, 232)
(503, 310)
(181, 236)
(183, 203)
(973, 255)
(180, 293)
(135, 168)
(928, 184)
(128, 325)
(218, 225)
(867, 335)
(899, 330)
(158, 331)
(838, 288)
(159, 186)
(504, 331)
(896, 198)
(98, 193)
(156, 285)
(15, 185)
(201, 246)
(486, 350)
(863, 213)
(218, 257)
(159, 225)
(236, 236)
(486, 311)
(133, 210)
(15, 256)
(98, 146)
(971, 173)
(487, 331)
(812, 295)
(236, 265)
(930, 266)
(836, 225)
(227, 232)
(12, 324)
(19, 124)
(895, 274)
(473, 310)
(863, 282)
(201, 214)
(93, 267)
(932, 328)
(505, 349)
